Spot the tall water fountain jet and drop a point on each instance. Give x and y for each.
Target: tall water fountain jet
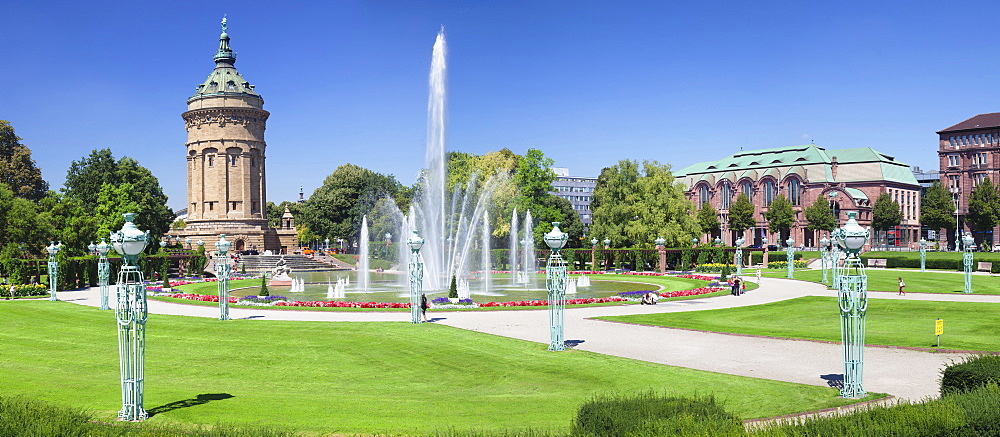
(529, 250)
(363, 249)
(513, 248)
(484, 258)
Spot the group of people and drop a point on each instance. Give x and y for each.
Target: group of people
(736, 286)
(649, 299)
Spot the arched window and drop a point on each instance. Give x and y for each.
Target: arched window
(748, 190)
(835, 207)
(770, 191)
(726, 195)
(702, 195)
(795, 192)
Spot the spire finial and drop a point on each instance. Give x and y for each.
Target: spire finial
(225, 54)
(224, 25)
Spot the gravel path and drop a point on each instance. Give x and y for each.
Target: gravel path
(904, 373)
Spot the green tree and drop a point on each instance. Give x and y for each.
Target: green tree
(67, 220)
(633, 205)
(741, 214)
(335, 209)
(819, 216)
(708, 220)
(20, 224)
(86, 180)
(937, 209)
(886, 214)
(17, 170)
(780, 216)
(984, 206)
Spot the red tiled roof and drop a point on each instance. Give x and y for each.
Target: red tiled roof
(977, 122)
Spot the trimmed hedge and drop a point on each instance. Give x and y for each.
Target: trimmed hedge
(654, 414)
(970, 373)
(935, 260)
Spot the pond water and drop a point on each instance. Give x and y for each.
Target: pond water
(388, 287)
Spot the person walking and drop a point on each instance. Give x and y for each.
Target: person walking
(758, 277)
(901, 285)
(423, 306)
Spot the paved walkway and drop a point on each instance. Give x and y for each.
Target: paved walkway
(907, 374)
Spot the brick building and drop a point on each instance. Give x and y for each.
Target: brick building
(970, 152)
(850, 179)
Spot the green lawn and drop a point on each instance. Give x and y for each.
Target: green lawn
(926, 282)
(343, 377)
(968, 325)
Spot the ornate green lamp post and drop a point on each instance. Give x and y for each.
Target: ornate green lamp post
(694, 242)
(593, 254)
(853, 299)
(923, 255)
(717, 241)
(966, 260)
(739, 256)
(824, 255)
(222, 269)
(790, 255)
(416, 276)
(131, 314)
(555, 283)
(53, 248)
(103, 272)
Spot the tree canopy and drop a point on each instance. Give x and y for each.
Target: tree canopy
(937, 209)
(780, 216)
(741, 214)
(819, 216)
(708, 219)
(634, 205)
(984, 206)
(115, 186)
(17, 169)
(335, 209)
(886, 213)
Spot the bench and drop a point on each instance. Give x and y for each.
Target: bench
(984, 266)
(876, 262)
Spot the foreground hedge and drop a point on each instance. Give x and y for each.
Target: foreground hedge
(970, 374)
(935, 260)
(652, 414)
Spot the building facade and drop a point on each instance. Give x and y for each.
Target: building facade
(850, 179)
(577, 189)
(968, 153)
(226, 170)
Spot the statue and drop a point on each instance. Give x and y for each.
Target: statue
(281, 271)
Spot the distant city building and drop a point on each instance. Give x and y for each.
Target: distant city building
(225, 124)
(577, 189)
(850, 179)
(926, 179)
(970, 152)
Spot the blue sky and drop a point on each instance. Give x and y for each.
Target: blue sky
(588, 83)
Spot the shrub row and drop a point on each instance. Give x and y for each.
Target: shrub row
(784, 264)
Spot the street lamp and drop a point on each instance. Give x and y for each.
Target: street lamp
(824, 256)
(967, 260)
(416, 276)
(694, 241)
(555, 283)
(607, 243)
(790, 256)
(326, 248)
(739, 255)
(201, 243)
(52, 249)
(923, 254)
(222, 269)
(955, 193)
(852, 297)
(131, 314)
(188, 242)
(718, 241)
(103, 272)
(91, 248)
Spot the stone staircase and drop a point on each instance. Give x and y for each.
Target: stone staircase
(298, 263)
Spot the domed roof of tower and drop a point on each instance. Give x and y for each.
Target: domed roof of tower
(224, 79)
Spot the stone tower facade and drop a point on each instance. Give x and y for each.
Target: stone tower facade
(225, 123)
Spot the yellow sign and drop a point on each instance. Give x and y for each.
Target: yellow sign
(939, 327)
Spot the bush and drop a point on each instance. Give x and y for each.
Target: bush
(654, 414)
(784, 264)
(453, 288)
(725, 273)
(263, 286)
(970, 373)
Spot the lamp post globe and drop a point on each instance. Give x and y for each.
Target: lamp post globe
(718, 241)
(187, 241)
(593, 242)
(131, 316)
(91, 248)
(201, 243)
(163, 243)
(607, 242)
(659, 241)
(694, 241)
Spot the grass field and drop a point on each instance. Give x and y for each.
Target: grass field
(968, 325)
(343, 377)
(926, 282)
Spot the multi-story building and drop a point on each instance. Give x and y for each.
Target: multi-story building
(850, 179)
(577, 189)
(970, 152)
(926, 179)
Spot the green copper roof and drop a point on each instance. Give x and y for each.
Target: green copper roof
(224, 79)
(798, 159)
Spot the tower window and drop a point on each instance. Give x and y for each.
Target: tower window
(232, 159)
(231, 86)
(211, 160)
